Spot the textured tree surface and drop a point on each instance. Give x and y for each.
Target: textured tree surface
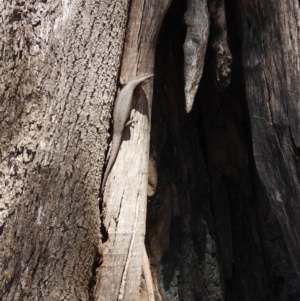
(55, 100)
(197, 22)
(125, 198)
(223, 211)
(272, 90)
(218, 171)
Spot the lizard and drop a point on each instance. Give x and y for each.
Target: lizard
(122, 109)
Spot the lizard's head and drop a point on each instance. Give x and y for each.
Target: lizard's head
(144, 79)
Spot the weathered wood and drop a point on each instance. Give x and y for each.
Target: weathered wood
(58, 70)
(125, 196)
(148, 276)
(222, 59)
(197, 22)
(59, 66)
(271, 68)
(180, 234)
(235, 201)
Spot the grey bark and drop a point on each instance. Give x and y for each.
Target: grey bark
(59, 66)
(125, 198)
(197, 22)
(271, 64)
(222, 58)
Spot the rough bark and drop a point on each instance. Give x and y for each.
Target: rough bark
(222, 59)
(211, 232)
(59, 65)
(197, 22)
(271, 68)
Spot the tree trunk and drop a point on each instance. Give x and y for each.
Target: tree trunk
(60, 65)
(125, 197)
(271, 64)
(222, 182)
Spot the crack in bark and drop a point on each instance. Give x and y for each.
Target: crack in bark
(123, 282)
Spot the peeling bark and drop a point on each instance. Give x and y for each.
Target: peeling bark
(195, 44)
(222, 58)
(125, 197)
(197, 21)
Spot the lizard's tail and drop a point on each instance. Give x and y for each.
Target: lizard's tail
(113, 155)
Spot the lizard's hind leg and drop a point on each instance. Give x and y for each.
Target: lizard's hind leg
(131, 122)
